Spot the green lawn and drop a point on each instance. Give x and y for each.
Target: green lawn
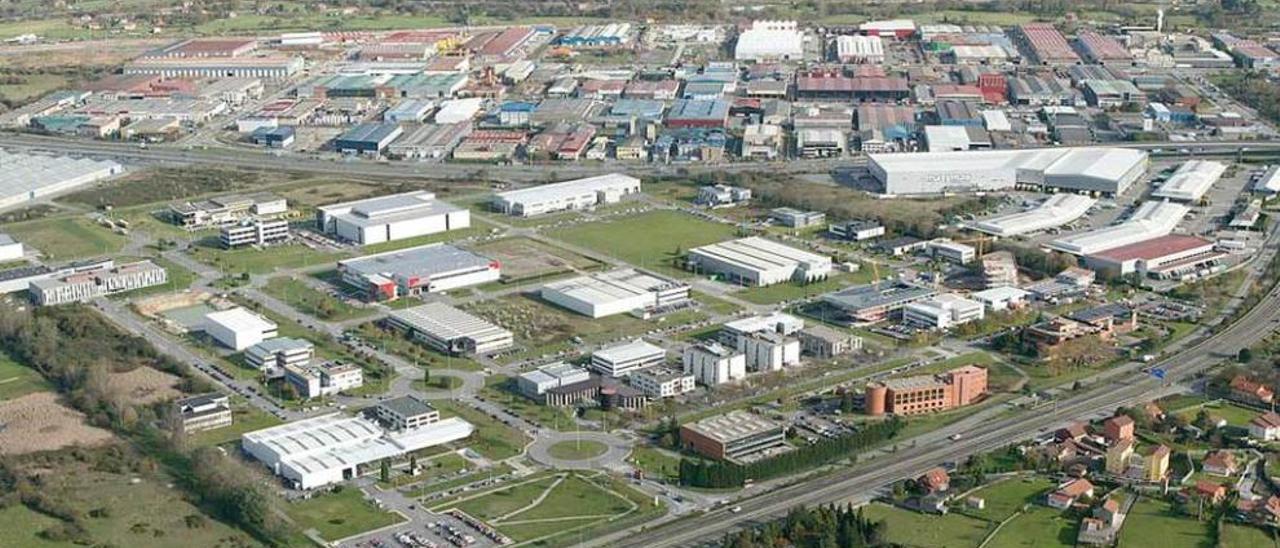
(500, 502)
(438, 484)
(1038, 526)
(340, 515)
(920, 530)
(477, 228)
(578, 450)
(571, 506)
(18, 380)
(647, 240)
(66, 239)
(656, 463)
(396, 343)
(1234, 414)
(501, 390)
(32, 87)
(1008, 496)
(261, 261)
(313, 302)
(244, 418)
(1233, 535)
(1152, 522)
(542, 328)
(438, 382)
(791, 291)
(21, 526)
(179, 279)
(492, 439)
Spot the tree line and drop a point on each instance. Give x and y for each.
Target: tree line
(724, 474)
(822, 527)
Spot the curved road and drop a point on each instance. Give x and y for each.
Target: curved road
(616, 455)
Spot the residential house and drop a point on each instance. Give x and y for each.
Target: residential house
(1119, 427)
(1208, 491)
(1220, 463)
(1074, 432)
(1249, 391)
(1066, 495)
(1118, 455)
(934, 481)
(1265, 427)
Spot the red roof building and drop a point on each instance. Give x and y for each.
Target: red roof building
(994, 86)
(1102, 49)
(1045, 45)
(1119, 427)
(1247, 390)
(935, 480)
(1165, 257)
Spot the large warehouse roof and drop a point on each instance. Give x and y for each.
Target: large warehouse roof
(607, 287)
(1151, 220)
(1155, 248)
(1092, 168)
(31, 175)
(445, 322)
(1099, 163)
(767, 43)
(1057, 210)
(389, 209)
(1192, 179)
(416, 261)
(755, 253)
(567, 189)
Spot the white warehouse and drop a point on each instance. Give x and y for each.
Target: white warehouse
(1100, 170)
(389, 218)
(755, 261)
(860, 49)
(1150, 220)
(332, 448)
(450, 330)
(615, 292)
(770, 41)
(942, 312)
(1055, 211)
(238, 329)
(569, 195)
(31, 176)
(1192, 179)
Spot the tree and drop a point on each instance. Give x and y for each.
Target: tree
(1245, 355)
(385, 474)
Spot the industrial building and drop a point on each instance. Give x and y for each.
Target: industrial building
(267, 66)
(1269, 182)
(10, 249)
(535, 384)
(203, 412)
(1001, 297)
(627, 358)
(272, 355)
(876, 301)
(734, 436)
(1191, 180)
(860, 49)
(566, 196)
(30, 177)
(616, 292)
(824, 342)
(1098, 170)
(756, 262)
(698, 113)
(390, 218)
(927, 393)
(405, 413)
(450, 330)
(225, 210)
(369, 138)
(411, 271)
(1150, 220)
(856, 231)
(721, 195)
(332, 448)
(713, 364)
(1054, 211)
(770, 41)
(1167, 257)
(765, 341)
(429, 141)
(795, 218)
(258, 232)
(1044, 45)
(86, 286)
(948, 250)
(238, 329)
(942, 312)
(323, 379)
(662, 382)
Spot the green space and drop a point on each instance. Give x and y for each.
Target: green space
(478, 228)
(976, 17)
(339, 515)
(22, 526)
(1005, 498)
(505, 500)
(1154, 522)
(178, 278)
(542, 329)
(577, 450)
(1235, 415)
(438, 382)
(150, 186)
(58, 29)
(791, 291)
(501, 390)
(437, 484)
(652, 240)
(65, 239)
(1235, 535)
(1039, 526)
(656, 463)
(526, 258)
(915, 529)
(26, 87)
(432, 468)
(492, 439)
(395, 342)
(316, 20)
(715, 305)
(244, 418)
(18, 380)
(311, 301)
(260, 261)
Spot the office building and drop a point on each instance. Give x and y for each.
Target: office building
(795, 218)
(84, 286)
(942, 312)
(1002, 297)
(948, 250)
(391, 218)
(824, 342)
(662, 382)
(238, 329)
(255, 231)
(226, 210)
(735, 436)
(324, 379)
(616, 292)
(755, 261)
(272, 355)
(203, 412)
(405, 413)
(875, 301)
(450, 330)
(627, 358)
(569, 195)
(424, 269)
(535, 384)
(927, 393)
(712, 363)
(721, 195)
(856, 231)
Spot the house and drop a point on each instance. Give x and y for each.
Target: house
(1100, 528)
(1118, 455)
(1245, 390)
(1155, 463)
(1220, 463)
(1074, 432)
(1208, 491)
(1066, 494)
(1117, 428)
(934, 481)
(1265, 427)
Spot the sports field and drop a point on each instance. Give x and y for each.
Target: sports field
(649, 240)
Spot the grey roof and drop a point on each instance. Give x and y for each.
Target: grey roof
(369, 132)
(27, 174)
(407, 406)
(877, 294)
(389, 209)
(417, 261)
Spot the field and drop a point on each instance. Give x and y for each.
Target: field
(477, 228)
(544, 328)
(919, 530)
(244, 418)
(1153, 523)
(169, 184)
(656, 463)
(578, 450)
(311, 301)
(501, 390)
(1234, 414)
(1038, 526)
(524, 258)
(339, 515)
(1006, 497)
(66, 239)
(397, 343)
(1243, 536)
(791, 291)
(39, 422)
(648, 240)
(17, 380)
(21, 526)
(144, 385)
(31, 87)
(492, 439)
(254, 261)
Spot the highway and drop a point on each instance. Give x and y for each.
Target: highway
(859, 481)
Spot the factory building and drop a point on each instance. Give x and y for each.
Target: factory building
(86, 286)
(856, 231)
(333, 448)
(224, 210)
(927, 393)
(390, 218)
(1191, 180)
(369, 138)
(770, 41)
(942, 312)
(876, 301)
(535, 384)
(1054, 211)
(30, 177)
(424, 269)
(795, 218)
(627, 358)
(698, 113)
(615, 292)
(566, 196)
(238, 329)
(450, 330)
(734, 436)
(757, 262)
(203, 412)
(269, 66)
(1174, 256)
(1044, 45)
(713, 364)
(1150, 220)
(1102, 50)
(860, 49)
(900, 29)
(429, 141)
(10, 249)
(1098, 170)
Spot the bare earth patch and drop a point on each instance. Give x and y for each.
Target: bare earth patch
(144, 385)
(39, 422)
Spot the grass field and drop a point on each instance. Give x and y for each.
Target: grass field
(244, 418)
(791, 291)
(578, 450)
(656, 463)
(1234, 535)
(1038, 526)
(919, 530)
(1153, 522)
(1234, 414)
(21, 526)
(32, 87)
(396, 343)
(648, 240)
(255, 261)
(65, 239)
(492, 439)
(18, 380)
(542, 328)
(1009, 496)
(311, 301)
(438, 382)
(501, 389)
(339, 515)
(477, 228)
(524, 258)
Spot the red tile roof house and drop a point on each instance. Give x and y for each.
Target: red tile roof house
(1119, 427)
(1074, 431)
(1108, 512)
(1208, 491)
(1067, 494)
(1266, 426)
(1220, 463)
(934, 480)
(1249, 391)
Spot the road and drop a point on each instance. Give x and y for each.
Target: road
(858, 482)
